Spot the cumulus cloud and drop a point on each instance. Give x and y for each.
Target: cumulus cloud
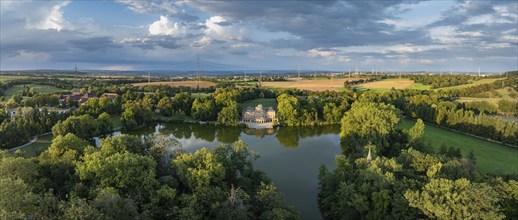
(164, 26)
(158, 7)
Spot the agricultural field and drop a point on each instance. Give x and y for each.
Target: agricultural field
(312, 85)
(192, 84)
(17, 89)
(387, 84)
(264, 101)
(478, 82)
(491, 157)
(8, 78)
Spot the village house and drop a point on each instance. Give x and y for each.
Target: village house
(259, 114)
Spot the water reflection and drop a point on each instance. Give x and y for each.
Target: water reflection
(287, 136)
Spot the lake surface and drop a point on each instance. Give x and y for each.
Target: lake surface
(291, 157)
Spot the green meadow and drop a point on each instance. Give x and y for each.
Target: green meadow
(491, 157)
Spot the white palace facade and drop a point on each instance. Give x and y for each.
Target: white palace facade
(259, 114)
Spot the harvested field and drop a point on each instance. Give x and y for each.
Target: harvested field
(312, 85)
(388, 84)
(193, 84)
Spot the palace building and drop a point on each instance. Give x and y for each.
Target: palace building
(259, 114)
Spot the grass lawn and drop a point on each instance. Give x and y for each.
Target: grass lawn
(17, 89)
(264, 101)
(199, 95)
(478, 82)
(37, 147)
(116, 121)
(491, 157)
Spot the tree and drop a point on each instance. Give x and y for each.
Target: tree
(104, 123)
(459, 199)
(84, 126)
(59, 160)
(166, 106)
(182, 103)
(416, 135)
(368, 122)
(288, 109)
(131, 174)
(204, 109)
(229, 115)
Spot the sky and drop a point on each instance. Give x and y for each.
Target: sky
(259, 35)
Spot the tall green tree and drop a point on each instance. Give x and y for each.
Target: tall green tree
(288, 109)
(368, 122)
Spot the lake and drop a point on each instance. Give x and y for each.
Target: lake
(291, 157)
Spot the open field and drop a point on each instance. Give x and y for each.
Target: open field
(17, 89)
(193, 84)
(419, 86)
(37, 147)
(387, 84)
(264, 101)
(8, 78)
(491, 157)
(507, 93)
(496, 95)
(478, 82)
(199, 95)
(312, 85)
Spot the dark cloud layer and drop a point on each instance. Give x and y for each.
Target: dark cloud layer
(327, 34)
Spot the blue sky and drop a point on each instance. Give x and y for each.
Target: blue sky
(259, 35)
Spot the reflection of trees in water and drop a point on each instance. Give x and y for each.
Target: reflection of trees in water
(260, 132)
(290, 136)
(204, 132)
(287, 136)
(179, 130)
(228, 135)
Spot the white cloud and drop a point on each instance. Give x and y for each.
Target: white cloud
(118, 68)
(164, 26)
(202, 42)
(216, 30)
(53, 20)
(316, 52)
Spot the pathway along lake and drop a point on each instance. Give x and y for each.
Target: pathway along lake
(291, 157)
